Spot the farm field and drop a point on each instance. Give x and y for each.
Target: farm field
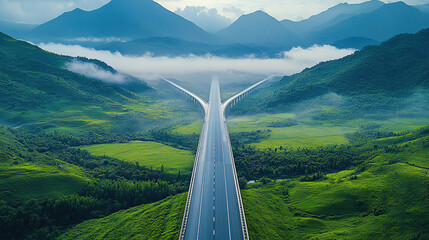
(149, 154)
(309, 133)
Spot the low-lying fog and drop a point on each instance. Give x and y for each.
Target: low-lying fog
(195, 68)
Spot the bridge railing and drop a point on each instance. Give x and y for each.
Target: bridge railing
(239, 95)
(237, 188)
(191, 186)
(203, 103)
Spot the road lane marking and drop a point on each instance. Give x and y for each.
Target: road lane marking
(226, 192)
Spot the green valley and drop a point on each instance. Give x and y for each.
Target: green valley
(337, 151)
(384, 197)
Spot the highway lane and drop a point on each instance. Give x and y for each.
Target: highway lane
(214, 211)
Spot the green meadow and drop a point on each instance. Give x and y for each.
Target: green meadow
(67, 117)
(149, 154)
(312, 133)
(192, 127)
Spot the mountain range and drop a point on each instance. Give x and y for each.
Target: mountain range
(140, 26)
(120, 19)
(259, 28)
(331, 16)
(381, 24)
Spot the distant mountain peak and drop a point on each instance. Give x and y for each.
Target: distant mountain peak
(258, 28)
(130, 19)
(258, 14)
(257, 18)
(78, 10)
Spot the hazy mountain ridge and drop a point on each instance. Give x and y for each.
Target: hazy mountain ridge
(259, 28)
(128, 19)
(331, 16)
(381, 24)
(424, 8)
(141, 26)
(165, 46)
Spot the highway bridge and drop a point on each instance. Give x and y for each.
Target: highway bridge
(214, 209)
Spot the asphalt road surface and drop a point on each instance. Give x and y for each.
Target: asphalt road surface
(214, 210)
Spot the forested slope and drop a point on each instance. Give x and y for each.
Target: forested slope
(374, 78)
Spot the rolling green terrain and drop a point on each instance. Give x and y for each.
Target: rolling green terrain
(37, 93)
(384, 202)
(40, 178)
(33, 181)
(375, 81)
(159, 220)
(310, 133)
(385, 197)
(149, 154)
(48, 185)
(91, 160)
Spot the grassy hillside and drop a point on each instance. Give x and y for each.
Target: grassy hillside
(376, 79)
(160, 220)
(42, 177)
(149, 154)
(32, 78)
(37, 92)
(48, 185)
(384, 198)
(384, 202)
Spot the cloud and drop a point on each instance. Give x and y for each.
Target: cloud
(149, 67)
(207, 18)
(93, 71)
(310, 107)
(98, 40)
(315, 54)
(237, 12)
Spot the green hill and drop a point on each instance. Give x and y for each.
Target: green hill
(37, 92)
(377, 78)
(47, 185)
(28, 174)
(385, 198)
(159, 220)
(36, 77)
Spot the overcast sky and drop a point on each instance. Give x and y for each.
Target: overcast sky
(39, 11)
